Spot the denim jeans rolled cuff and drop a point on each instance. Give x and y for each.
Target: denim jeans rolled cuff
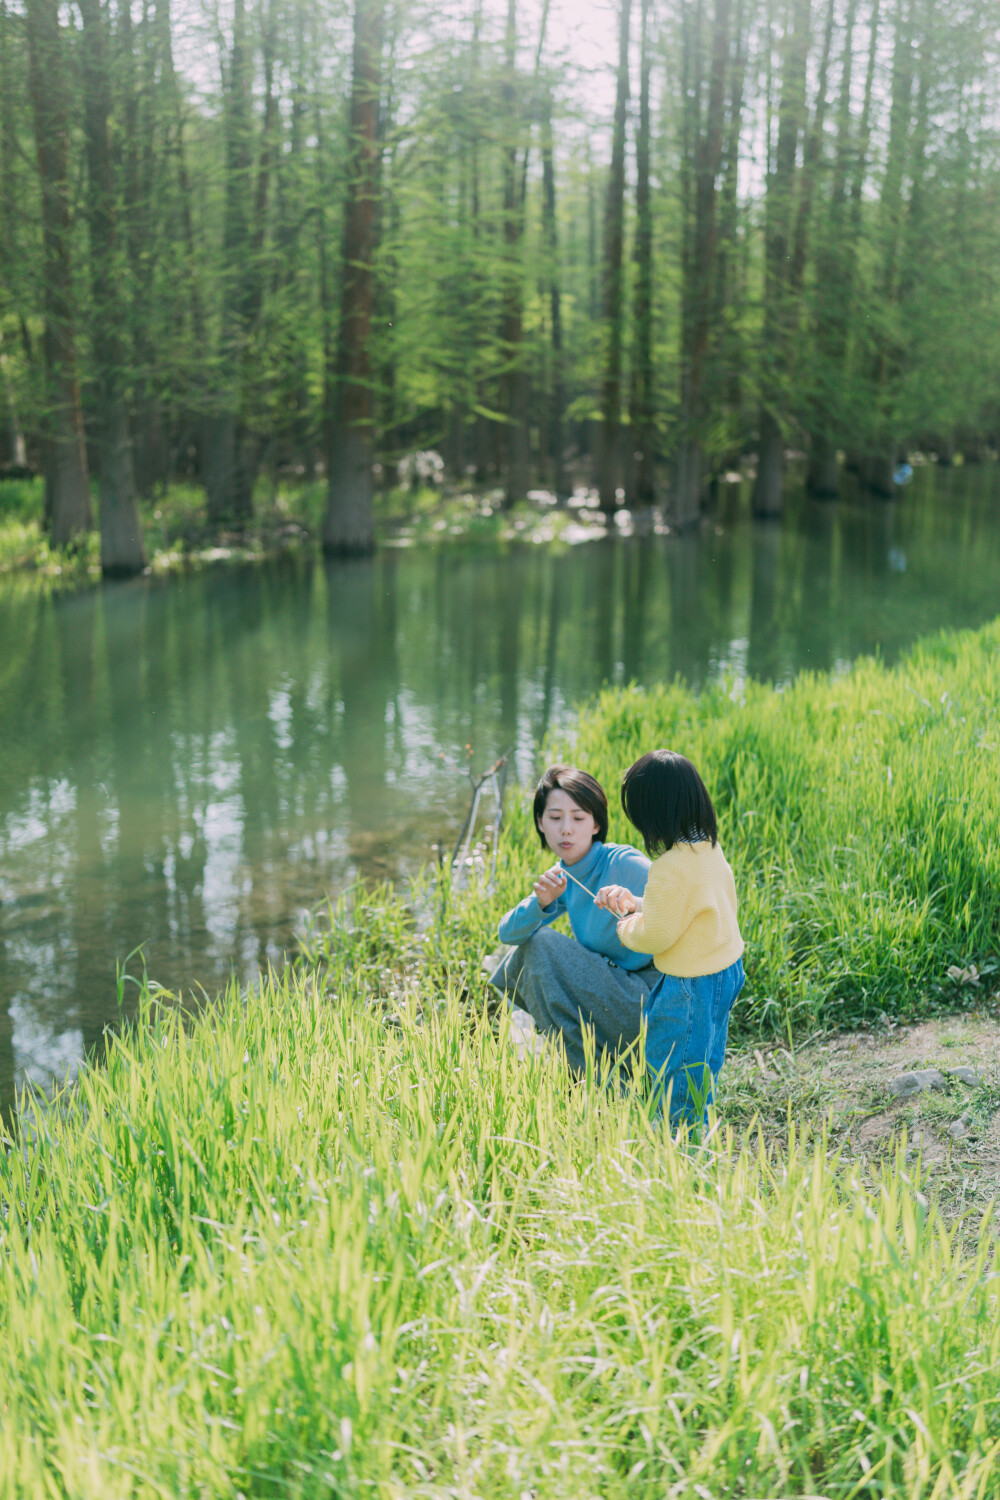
(687, 1024)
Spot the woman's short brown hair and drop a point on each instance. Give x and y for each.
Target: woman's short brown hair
(585, 791)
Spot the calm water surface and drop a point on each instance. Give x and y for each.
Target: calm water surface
(190, 763)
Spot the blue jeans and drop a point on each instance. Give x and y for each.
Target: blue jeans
(687, 1022)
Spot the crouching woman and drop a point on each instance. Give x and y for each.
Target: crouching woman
(595, 982)
(686, 919)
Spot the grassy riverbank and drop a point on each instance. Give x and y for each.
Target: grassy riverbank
(861, 814)
(293, 1251)
(285, 515)
(337, 1237)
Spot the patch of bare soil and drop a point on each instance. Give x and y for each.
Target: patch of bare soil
(844, 1084)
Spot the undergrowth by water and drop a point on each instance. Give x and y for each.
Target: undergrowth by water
(336, 1237)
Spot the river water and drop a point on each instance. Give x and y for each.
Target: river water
(190, 763)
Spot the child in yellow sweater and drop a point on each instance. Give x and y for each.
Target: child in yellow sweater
(687, 920)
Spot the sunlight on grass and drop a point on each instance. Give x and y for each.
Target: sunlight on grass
(291, 1250)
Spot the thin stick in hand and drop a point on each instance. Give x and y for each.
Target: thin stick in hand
(590, 893)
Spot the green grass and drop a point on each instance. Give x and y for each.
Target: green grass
(861, 815)
(286, 513)
(292, 1251)
(23, 543)
(335, 1237)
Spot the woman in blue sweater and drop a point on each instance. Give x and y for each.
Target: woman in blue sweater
(594, 982)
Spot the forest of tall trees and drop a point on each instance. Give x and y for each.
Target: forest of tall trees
(301, 238)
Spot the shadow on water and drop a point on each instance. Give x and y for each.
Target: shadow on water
(190, 763)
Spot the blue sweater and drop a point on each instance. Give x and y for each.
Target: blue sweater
(603, 864)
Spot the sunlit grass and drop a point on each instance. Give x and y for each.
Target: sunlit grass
(336, 1237)
(287, 511)
(861, 814)
(291, 1250)
(23, 542)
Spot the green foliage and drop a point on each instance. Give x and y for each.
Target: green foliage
(287, 1250)
(23, 542)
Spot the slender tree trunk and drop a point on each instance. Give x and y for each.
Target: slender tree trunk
(136, 68)
(703, 150)
(349, 526)
(67, 500)
(830, 327)
(880, 456)
(16, 445)
(479, 323)
(730, 264)
(768, 498)
(609, 464)
(122, 550)
(642, 487)
(810, 165)
(511, 323)
(852, 241)
(557, 395)
(387, 235)
(222, 470)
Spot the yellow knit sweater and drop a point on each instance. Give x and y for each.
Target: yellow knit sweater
(688, 918)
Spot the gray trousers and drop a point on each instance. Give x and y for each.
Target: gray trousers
(565, 987)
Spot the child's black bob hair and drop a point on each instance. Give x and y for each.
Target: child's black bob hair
(583, 788)
(665, 798)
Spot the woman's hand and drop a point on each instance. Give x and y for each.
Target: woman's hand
(550, 886)
(618, 900)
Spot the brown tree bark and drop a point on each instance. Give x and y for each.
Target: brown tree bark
(703, 150)
(641, 486)
(833, 273)
(122, 551)
(557, 395)
(228, 485)
(731, 260)
(768, 497)
(67, 495)
(609, 464)
(348, 525)
(515, 384)
(879, 458)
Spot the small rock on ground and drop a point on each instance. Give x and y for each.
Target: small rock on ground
(917, 1082)
(960, 1127)
(967, 1076)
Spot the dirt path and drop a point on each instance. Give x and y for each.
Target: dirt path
(845, 1083)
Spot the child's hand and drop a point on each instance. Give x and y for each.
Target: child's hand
(550, 886)
(618, 900)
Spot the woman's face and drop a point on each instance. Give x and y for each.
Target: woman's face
(568, 830)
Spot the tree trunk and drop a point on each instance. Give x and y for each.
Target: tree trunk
(614, 227)
(731, 258)
(557, 397)
(67, 495)
(768, 498)
(17, 448)
(223, 470)
(348, 525)
(879, 459)
(830, 327)
(703, 150)
(641, 489)
(122, 551)
(511, 329)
